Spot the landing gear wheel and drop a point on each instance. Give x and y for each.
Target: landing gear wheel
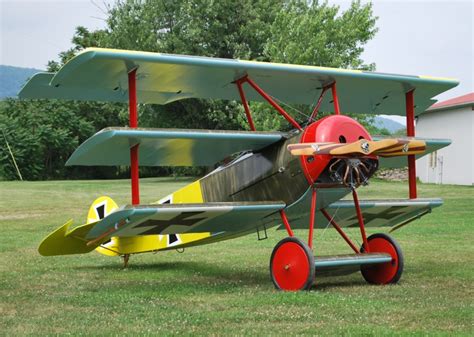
(384, 273)
(292, 265)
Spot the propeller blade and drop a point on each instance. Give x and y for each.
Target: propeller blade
(309, 149)
(385, 148)
(364, 147)
(410, 147)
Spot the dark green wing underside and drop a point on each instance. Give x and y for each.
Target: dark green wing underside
(184, 218)
(376, 213)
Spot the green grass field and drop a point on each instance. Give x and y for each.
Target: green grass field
(225, 288)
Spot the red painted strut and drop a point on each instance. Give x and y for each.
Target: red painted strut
(311, 218)
(361, 220)
(286, 223)
(335, 99)
(246, 105)
(410, 112)
(340, 231)
(318, 104)
(269, 100)
(132, 101)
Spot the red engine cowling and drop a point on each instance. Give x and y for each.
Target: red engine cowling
(335, 129)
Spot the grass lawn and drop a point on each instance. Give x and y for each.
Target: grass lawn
(225, 288)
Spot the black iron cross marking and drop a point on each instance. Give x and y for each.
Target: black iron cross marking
(172, 238)
(388, 214)
(100, 211)
(158, 226)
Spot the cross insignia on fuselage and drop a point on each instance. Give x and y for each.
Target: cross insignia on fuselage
(388, 214)
(158, 226)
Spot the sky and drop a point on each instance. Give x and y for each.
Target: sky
(424, 37)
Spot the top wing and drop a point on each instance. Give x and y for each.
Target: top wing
(101, 74)
(168, 147)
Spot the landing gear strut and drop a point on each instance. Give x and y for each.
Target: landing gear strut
(293, 265)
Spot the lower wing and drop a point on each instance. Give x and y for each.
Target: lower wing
(161, 219)
(393, 213)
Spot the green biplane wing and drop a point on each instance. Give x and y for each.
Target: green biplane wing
(184, 218)
(168, 147)
(224, 220)
(393, 213)
(101, 75)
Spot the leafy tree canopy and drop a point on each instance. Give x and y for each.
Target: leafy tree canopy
(44, 133)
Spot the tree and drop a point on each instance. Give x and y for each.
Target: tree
(315, 33)
(265, 30)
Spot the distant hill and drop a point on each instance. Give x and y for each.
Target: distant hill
(12, 79)
(385, 123)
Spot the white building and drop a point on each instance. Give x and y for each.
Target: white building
(452, 119)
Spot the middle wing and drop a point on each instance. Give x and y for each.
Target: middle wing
(168, 147)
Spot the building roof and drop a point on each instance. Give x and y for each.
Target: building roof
(456, 102)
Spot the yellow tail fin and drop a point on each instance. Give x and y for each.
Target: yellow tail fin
(100, 208)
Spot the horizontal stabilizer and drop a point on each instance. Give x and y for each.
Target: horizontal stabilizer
(168, 147)
(102, 74)
(64, 242)
(183, 218)
(377, 213)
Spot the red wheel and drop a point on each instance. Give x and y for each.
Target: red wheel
(292, 265)
(384, 273)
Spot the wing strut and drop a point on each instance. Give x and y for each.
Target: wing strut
(262, 93)
(361, 220)
(318, 104)
(335, 101)
(312, 218)
(246, 105)
(132, 103)
(410, 113)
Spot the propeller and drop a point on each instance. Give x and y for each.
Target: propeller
(353, 163)
(362, 148)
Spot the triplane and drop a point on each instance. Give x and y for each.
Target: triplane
(292, 179)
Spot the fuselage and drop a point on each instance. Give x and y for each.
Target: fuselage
(269, 174)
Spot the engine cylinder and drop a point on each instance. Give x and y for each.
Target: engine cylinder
(330, 129)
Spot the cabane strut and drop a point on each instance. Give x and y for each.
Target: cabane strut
(133, 120)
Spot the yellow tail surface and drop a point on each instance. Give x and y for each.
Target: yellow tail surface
(64, 241)
(140, 244)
